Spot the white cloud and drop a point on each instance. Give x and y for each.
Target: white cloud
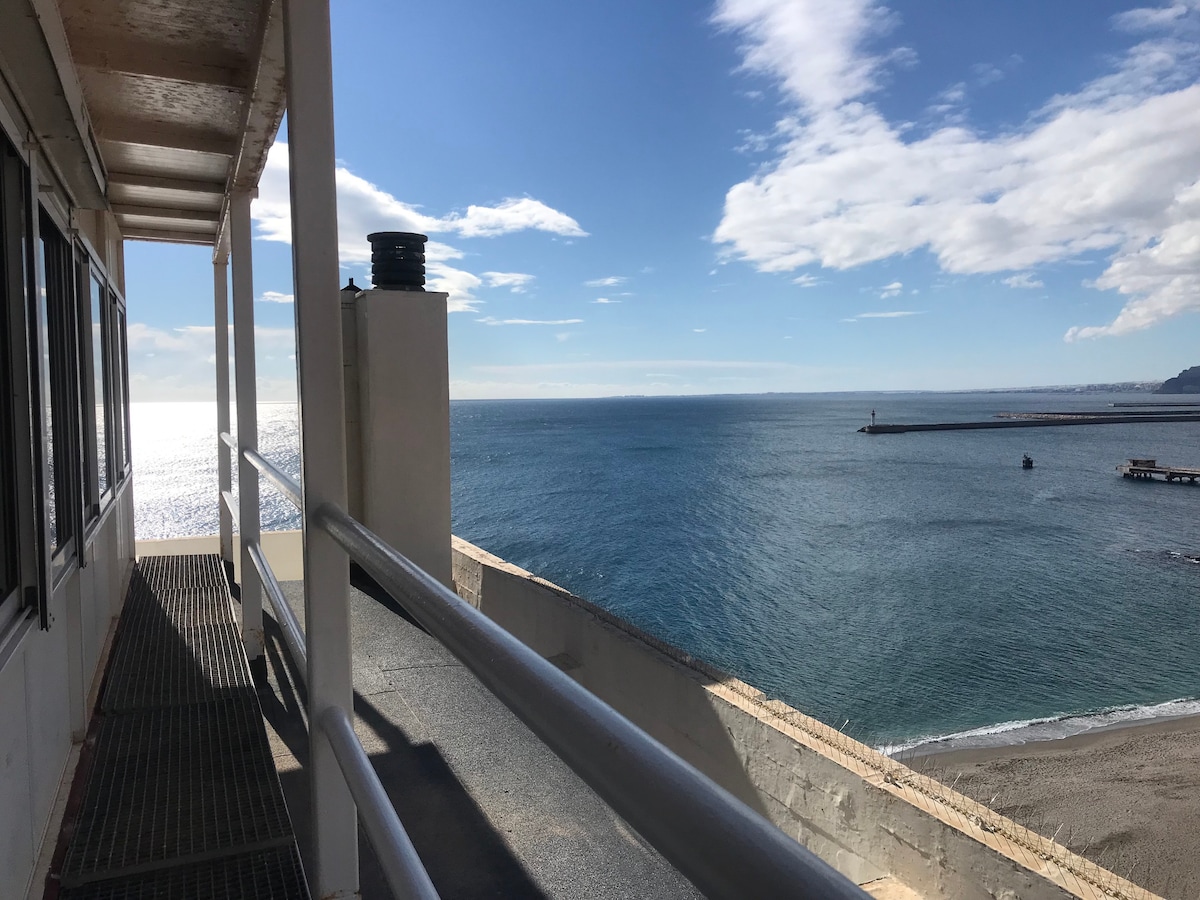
(894, 314)
(610, 281)
(1109, 168)
(517, 282)
(605, 300)
(1150, 18)
(514, 214)
(364, 207)
(699, 330)
(276, 297)
(179, 363)
(1023, 280)
(806, 280)
(492, 320)
(455, 282)
(891, 290)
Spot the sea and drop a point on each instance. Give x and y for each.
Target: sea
(919, 591)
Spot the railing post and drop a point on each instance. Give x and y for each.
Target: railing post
(322, 430)
(221, 331)
(247, 418)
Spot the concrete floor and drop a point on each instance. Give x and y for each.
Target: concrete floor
(491, 811)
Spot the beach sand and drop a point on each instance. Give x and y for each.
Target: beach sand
(1127, 797)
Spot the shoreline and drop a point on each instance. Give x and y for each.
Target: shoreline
(1121, 794)
(1099, 735)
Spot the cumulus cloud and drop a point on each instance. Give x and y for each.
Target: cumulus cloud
(364, 207)
(806, 280)
(1109, 168)
(605, 300)
(610, 281)
(517, 282)
(891, 290)
(511, 215)
(492, 320)
(1022, 280)
(276, 297)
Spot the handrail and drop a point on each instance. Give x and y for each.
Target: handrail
(720, 844)
(402, 867)
(283, 482)
(293, 634)
(230, 503)
(230, 441)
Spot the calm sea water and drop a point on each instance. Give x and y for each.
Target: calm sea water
(902, 586)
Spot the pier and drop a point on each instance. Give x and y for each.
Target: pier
(1149, 468)
(1033, 420)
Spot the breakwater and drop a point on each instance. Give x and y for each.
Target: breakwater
(1037, 420)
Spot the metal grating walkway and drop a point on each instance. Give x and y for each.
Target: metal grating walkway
(182, 799)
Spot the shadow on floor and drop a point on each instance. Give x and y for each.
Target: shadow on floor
(463, 853)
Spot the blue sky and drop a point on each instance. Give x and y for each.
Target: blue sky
(748, 195)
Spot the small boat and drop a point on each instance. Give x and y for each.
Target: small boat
(1026, 461)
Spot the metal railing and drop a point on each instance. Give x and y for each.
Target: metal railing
(721, 845)
(402, 867)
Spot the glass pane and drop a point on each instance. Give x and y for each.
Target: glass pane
(46, 396)
(98, 381)
(117, 392)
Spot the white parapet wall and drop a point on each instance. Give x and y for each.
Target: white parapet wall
(868, 815)
(284, 550)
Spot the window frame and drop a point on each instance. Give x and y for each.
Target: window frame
(21, 599)
(62, 324)
(98, 499)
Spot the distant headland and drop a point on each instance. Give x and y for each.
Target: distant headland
(1186, 382)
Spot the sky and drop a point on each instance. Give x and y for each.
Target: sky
(747, 196)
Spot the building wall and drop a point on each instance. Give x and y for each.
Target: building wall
(864, 813)
(49, 684)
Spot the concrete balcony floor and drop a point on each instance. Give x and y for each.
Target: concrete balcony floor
(492, 812)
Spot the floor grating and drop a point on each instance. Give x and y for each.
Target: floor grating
(183, 799)
(274, 874)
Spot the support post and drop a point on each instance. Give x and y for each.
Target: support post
(247, 418)
(322, 428)
(221, 330)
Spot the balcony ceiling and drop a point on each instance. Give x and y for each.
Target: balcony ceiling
(184, 98)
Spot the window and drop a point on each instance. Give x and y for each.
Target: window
(119, 450)
(11, 305)
(19, 541)
(100, 398)
(57, 317)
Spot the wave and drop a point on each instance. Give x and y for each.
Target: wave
(1024, 731)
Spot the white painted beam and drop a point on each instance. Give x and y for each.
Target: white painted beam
(169, 236)
(139, 58)
(224, 466)
(163, 212)
(155, 134)
(322, 430)
(162, 183)
(247, 417)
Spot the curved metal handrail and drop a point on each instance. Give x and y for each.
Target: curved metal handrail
(719, 843)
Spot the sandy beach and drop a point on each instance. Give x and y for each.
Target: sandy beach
(1127, 797)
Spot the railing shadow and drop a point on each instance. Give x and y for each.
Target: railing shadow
(463, 853)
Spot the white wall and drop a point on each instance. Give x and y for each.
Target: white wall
(48, 686)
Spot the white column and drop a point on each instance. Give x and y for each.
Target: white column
(221, 329)
(404, 401)
(247, 417)
(322, 429)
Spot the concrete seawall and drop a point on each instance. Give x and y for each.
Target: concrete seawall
(868, 815)
(1028, 423)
